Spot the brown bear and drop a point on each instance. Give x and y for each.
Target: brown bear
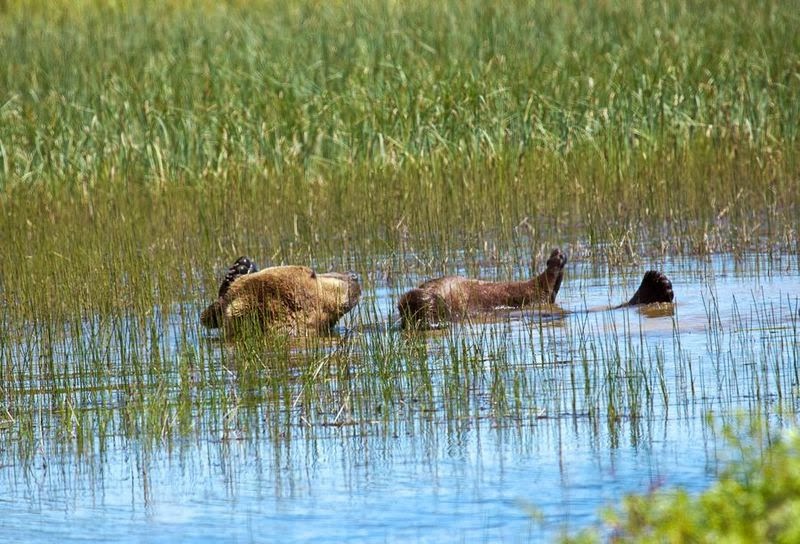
(294, 299)
(454, 297)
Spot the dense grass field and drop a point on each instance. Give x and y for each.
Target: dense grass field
(146, 145)
(163, 139)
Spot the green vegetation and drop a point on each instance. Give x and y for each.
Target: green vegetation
(157, 141)
(757, 499)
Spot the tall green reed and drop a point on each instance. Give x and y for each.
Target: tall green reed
(144, 147)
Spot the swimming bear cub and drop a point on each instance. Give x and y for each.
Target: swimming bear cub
(454, 297)
(294, 299)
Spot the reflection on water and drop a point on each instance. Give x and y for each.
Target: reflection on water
(151, 432)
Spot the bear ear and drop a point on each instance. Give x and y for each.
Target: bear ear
(313, 275)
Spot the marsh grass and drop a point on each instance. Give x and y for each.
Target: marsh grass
(144, 147)
(152, 385)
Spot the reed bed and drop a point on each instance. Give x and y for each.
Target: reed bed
(152, 380)
(143, 147)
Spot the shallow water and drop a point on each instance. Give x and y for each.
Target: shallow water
(376, 436)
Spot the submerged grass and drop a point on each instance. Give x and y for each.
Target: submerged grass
(147, 380)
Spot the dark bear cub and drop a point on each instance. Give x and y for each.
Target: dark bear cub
(455, 297)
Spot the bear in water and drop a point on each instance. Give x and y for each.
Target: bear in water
(294, 299)
(454, 297)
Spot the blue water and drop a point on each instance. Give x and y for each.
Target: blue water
(428, 469)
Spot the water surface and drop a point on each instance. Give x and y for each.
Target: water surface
(132, 433)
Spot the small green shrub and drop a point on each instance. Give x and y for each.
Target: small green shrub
(756, 499)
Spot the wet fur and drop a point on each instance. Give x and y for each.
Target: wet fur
(455, 297)
(655, 287)
(290, 298)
